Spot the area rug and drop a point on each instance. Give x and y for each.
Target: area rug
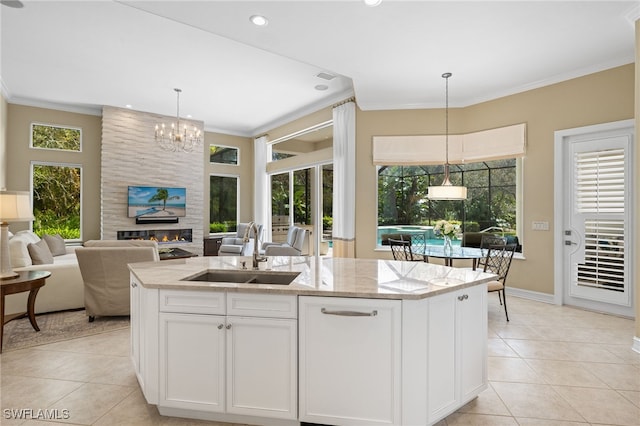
(56, 327)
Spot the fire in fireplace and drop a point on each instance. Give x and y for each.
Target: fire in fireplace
(158, 235)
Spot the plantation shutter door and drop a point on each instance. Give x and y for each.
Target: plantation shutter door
(599, 269)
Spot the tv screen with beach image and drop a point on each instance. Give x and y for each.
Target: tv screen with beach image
(157, 202)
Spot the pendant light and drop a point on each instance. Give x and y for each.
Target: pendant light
(447, 191)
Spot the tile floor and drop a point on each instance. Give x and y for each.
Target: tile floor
(551, 366)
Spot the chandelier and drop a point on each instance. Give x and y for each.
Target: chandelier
(177, 139)
(447, 191)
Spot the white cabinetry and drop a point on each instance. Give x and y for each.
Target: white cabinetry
(231, 354)
(457, 350)
(144, 345)
(350, 364)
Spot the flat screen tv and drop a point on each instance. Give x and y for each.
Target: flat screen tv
(157, 202)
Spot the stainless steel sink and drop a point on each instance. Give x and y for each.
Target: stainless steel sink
(246, 277)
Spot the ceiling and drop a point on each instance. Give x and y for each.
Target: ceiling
(243, 80)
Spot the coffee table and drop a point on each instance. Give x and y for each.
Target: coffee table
(174, 253)
(30, 281)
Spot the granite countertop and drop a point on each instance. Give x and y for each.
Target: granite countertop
(319, 276)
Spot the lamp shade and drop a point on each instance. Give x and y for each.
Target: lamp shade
(15, 206)
(447, 192)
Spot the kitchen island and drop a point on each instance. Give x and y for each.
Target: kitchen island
(346, 342)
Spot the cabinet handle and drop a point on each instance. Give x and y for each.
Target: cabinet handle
(228, 326)
(350, 313)
(133, 284)
(220, 326)
(463, 297)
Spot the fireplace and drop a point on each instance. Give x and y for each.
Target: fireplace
(162, 236)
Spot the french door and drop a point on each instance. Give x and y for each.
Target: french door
(596, 218)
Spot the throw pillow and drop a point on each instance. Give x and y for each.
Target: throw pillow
(40, 253)
(56, 244)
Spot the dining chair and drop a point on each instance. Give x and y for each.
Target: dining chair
(498, 261)
(487, 241)
(401, 249)
(418, 247)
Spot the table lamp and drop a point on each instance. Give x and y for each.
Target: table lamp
(15, 206)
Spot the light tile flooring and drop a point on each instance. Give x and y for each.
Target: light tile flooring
(551, 365)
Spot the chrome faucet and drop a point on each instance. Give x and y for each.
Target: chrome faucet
(256, 255)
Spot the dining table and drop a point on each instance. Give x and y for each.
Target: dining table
(453, 253)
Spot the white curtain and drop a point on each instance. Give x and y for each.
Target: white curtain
(262, 189)
(344, 172)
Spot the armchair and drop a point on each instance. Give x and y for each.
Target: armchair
(292, 247)
(105, 272)
(236, 246)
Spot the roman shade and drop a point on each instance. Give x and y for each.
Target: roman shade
(486, 145)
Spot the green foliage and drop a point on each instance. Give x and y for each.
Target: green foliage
(327, 222)
(218, 227)
(223, 201)
(56, 200)
(51, 137)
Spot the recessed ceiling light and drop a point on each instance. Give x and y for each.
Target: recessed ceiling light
(321, 87)
(372, 3)
(259, 20)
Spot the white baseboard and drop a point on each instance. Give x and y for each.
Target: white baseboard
(636, 344)
(531, 295)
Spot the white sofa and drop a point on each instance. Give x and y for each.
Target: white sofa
(64, 289)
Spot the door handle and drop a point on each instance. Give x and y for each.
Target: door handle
(569, 243)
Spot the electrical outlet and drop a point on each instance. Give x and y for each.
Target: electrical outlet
(540, 226)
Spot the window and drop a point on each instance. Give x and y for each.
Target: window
(56, 137)
(490, 204)
(223, 203)
(224, 155)
(56, 199)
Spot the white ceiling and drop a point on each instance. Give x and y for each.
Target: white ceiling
(241, 79)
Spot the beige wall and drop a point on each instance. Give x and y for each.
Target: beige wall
(244, 171)
(3, 141)
(597, 98)
(19, 157)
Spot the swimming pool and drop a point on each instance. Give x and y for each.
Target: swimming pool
(427, 231)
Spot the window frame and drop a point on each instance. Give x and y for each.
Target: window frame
(34, 163)
(237, 163)
(224, 175)
(57, 126)
(519, 213)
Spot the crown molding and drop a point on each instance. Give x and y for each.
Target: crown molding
(38, 103)
(4, 90)
(558, 78)
(633, 14)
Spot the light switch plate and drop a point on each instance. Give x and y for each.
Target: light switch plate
(540, 226)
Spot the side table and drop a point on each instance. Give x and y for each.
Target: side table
(30, 281)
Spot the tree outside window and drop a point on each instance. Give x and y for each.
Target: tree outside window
(491, 201)
(56, 200)
(223, 203)
(56, 137)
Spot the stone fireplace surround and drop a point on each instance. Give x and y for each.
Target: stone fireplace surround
(130, 156)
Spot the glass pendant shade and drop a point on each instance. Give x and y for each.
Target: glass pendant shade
(447, 191)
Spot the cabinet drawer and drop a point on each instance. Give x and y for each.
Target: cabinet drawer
(262, 305)
(192, 302)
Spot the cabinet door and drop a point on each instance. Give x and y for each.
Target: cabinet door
(350, 361)
(192, 361)
(134, 301)
(472, 341)
(441, 358)
(262, 367)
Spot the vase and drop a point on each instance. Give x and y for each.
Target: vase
(447, 244)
